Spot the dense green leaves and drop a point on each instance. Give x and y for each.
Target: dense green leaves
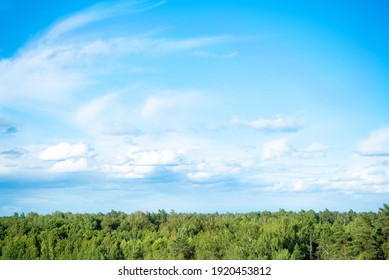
(257, 235)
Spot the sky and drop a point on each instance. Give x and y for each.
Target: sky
(193, 106)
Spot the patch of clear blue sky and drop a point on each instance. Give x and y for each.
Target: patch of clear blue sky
(323, 62)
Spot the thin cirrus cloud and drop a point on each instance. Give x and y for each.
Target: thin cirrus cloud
(281, 147)
(97, 13)
(68, 63)
(7, 127)
(279, 124)
(164, 102)
(12, 154)
(377, 144)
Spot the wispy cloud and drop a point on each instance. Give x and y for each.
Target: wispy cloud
(8, 127)
(204, 54)
(377, 144)
(281, 147)
(88, 112)
(69, 165)
(280, 124)
(13, 153)
(164, 102)
(99, 12)
(51, 70)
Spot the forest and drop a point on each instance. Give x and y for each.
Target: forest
(281, 235)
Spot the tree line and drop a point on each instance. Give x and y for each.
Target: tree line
(281, 235)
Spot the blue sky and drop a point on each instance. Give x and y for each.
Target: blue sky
(193, 106)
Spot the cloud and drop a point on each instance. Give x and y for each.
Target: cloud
(70, 64)
(373, 178)
(280, 147)
(314, 150)
(9, 130)
(126, 171)
(143, 163)
(204, 54)
(211, 171)
(166, 101)
(122, 129)
(88, 112)
(64, 151)
(377, 144)
(295, 185)
(7, 127)
(276, 149)
(12, 154)
(141, 157)
(98, 12)
(69, 165)
(200, 176)
(271, 125)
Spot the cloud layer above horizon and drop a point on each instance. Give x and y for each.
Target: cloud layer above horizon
(133, 105)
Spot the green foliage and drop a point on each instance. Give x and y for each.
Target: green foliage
(280, 235)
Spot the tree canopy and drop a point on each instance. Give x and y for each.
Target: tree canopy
(304, 235)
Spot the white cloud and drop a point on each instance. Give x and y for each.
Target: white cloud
(63, 151)
(294, 186)
(143, 163)
(126, 171)
(53, 68)
(69, 165)
(314, 150)
(92, 109)
(153, 157)
(97, 13)
(280, 147)
(204, 54)
(377, 144)
(165, 102)
(121, 129)
(276, 149)
(278, 124)
(213, 170)
(200, 176)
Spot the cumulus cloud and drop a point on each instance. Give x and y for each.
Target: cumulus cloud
(276, 149)
(69, 165)
(372, 178)
(212, 170)
(138, 156)
(295, 185)
(63, 151)
(272, 125)
(143, 163)
(377, 144)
